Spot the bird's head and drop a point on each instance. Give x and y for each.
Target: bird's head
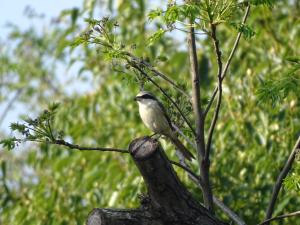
(144, 96)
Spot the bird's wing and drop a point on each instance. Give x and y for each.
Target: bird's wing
(164, 111)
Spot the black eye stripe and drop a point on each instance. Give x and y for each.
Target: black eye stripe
(147, 96)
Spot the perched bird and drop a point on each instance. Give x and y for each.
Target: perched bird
(156, 119)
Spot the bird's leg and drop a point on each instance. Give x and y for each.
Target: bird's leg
(153, 135)
(157, 136)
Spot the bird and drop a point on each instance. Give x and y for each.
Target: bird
(155, 117)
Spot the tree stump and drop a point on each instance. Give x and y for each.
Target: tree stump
(168, 201)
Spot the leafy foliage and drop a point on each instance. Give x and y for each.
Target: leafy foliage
(39, 129)
(275, 90)
(244, 29)
(252, 140)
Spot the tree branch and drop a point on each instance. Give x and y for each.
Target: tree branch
(199, 120)
(196, 94)
(280, 217)
(121, 217)
(287, 167)
(234, 48)
(184, 136)
(81, 148)
(217, 110)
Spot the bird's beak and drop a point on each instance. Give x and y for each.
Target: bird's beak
(135, 98)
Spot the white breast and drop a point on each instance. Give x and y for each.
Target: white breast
(153, 117)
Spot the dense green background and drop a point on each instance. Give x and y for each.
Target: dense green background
(42, 184)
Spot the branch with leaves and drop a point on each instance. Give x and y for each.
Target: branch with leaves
(41, 130)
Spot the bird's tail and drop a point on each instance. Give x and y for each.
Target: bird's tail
(186, 153)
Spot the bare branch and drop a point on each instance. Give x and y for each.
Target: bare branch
(188, 170)
(224, 72)
(217, 110)
(165, 94)
(287, 167)
(184, 136)
(199, 120)
(186, 31)
(81, 148)
(199, 123)
(280, 217)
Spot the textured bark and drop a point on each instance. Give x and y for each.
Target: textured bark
(168, 201)
(121, 217)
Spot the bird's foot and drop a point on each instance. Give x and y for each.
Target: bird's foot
(155, 136)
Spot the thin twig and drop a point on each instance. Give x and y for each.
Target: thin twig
(81, 148)
(50, 130)
(73, 146)
(184, 136)
(287, 167)
(280, 217)
(217, 110)
(184, 168)
(165, 94)
(231, 214)
(186, 31)
(234, 48)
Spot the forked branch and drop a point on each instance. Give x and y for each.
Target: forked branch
(224, 72)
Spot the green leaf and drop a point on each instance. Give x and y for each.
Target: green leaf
(18, 127)
(92, 22)
(156, 36)
(269, 3)
(276, 90)
(293, 59)
(154, 13)
(9, 143)
(162, 58)
(54, 106)
(190, 10)
(78, 41)
(171, 14)
(245, 29)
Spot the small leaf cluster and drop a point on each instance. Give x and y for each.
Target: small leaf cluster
(39, 129)
(184, 105)
(102, 33)
(245, 29)
(269, 3)
(292, 181)
(275, 90)
(202, 15)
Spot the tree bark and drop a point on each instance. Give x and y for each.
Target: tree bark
(168, 201)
